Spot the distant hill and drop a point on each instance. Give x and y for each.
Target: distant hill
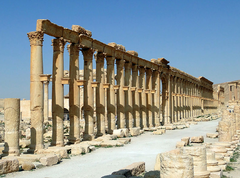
(226, 89)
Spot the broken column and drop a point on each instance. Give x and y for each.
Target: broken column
(12, 123)
(199, 160)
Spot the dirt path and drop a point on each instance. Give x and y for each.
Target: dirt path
(104, 161)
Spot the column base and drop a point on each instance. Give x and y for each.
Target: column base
(73, 140)
(11, 152)
(88, 137)
(59, 144)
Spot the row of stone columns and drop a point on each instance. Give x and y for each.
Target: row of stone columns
(134, 99)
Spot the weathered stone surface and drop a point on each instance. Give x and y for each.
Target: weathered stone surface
(124, 140)
(186, 140)
(114, 176)
(24, 143)
(61, 151)
(9, 164)
(159, 132)
(131, 170)
(28, 158)
(81, 30)
(212, 135)
(180, 144)
(27, 166)
(49, 160)
(111, 143)
(119, 133)
(135, 131)
(199, 139)
(134, 53)
(28, 133)
(173, 165)
(170, 127)
(199, 160)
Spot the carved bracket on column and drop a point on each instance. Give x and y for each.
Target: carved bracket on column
(65, 81)
(81, 82)
(125, 88)
(153, 91)
(133, 88)
(116, 87)
(106, 85)
(147, 91)
(45, 77)
(95, 84)
(140, 90)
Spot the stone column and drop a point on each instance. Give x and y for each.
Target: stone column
(100, 94)
(46, 109)
(149, 96)
(142, 85)
(136, 104)
(57, 92)
(121, 120)
(88, 94)
(12, 123)
(74, 103)
(128, 96)
(169, 101)
(36, 91)
(176, 100)
(156, 98)
(230, 92)
(235, 93)
(111, 110)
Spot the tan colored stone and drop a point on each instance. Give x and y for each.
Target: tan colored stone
(24, 143)
(134, 53)
(186, 140)
(27, 166)
(159, 132)
(212, 135)
(198, 139)
(124, 140)
(180, 144)
(135, 131)
(49, 160)
(131, 170)
(119, 133)
(173, 165)
(9, 164)
(111, 143)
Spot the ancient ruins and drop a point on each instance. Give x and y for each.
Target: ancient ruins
(124, 96)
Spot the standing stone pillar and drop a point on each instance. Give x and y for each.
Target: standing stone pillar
(36, 91)
(136, 101)
(142, 85)
(45, 78)
(88, 94)
(169, 101)
(110, 94)
(12, 123)
(128, 96)
(57, 92)
(149, 96)
(100, 94)
(230, 92)
(156, 97)
(74, 103)
(176, 100)
(121, 120)
(173, 100)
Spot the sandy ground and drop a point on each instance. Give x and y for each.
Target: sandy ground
(104, 161)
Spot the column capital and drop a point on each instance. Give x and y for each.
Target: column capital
(87, 54)
(58, 44)
(134, 67)
(99, 57)
(35, 38)
(73, 49)
(128, 65)
(149, 71)
(120, 63)
(142, 69)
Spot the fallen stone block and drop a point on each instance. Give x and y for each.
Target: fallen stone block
(28, 158)
(37, 165)
(212, 135)
(110, 143)
(27, 166)
(119, 133)
(24, 143)
(180, 127)
(198, 139)
(49, 160)
(9, 164)
(124, 140)
(170, 127)
(135, 131)
(180, 144)
(159, 132)
(61, 151)
(131, 170)
(126, 132)
(77, 150)
(186, 140)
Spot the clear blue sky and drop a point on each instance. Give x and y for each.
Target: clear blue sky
(200, 37)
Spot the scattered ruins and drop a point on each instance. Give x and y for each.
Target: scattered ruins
(125, 95)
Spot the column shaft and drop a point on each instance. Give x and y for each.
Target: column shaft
(136, 101)
(128, 96)
(36, 91)
(142, 85)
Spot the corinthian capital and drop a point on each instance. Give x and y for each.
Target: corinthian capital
(87, 54)
(36, 38)
(58, 44)
(73, 49)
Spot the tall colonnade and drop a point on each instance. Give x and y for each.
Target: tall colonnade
(132, 93)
